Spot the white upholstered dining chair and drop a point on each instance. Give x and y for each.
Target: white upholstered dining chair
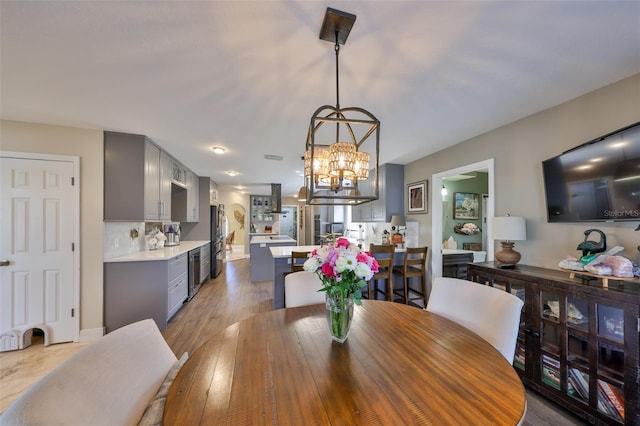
(301, 289)
(492, 314)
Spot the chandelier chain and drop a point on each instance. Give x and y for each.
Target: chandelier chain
(337, 49)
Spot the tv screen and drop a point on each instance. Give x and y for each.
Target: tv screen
(596, 181)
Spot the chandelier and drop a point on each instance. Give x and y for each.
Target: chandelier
(339, 161)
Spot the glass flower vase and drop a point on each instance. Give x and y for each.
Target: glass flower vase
(339, 316)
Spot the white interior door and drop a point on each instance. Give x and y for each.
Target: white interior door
(38, 223)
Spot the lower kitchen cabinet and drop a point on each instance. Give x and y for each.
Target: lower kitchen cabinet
(138, 290)
(178, 287)
(578, 341)
(205, 262)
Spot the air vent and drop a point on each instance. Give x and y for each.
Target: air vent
(273, 157)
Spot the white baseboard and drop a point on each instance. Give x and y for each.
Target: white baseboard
(89, 334)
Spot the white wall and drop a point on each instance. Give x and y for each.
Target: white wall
(520, 147)
(88, 145)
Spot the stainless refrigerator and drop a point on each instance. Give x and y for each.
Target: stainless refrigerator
(217, 239)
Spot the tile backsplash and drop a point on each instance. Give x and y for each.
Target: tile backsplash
(118, 240)
(371, 232)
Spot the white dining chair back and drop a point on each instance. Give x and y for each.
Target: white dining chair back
(301, 289)
(491, 313)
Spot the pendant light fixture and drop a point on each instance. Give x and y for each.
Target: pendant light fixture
(338, 162)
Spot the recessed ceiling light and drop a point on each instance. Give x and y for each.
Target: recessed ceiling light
(218, 150)
(232, 173)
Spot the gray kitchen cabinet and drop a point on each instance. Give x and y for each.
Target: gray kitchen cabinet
(362, 213)
(137, 179)
(178, 287)
(185, 201)
(390, 196)
(134, 291)
(164, 199)
(193, 197)
(205, 262)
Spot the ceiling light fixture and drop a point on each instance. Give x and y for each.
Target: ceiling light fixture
(218, 150)
(232, 173)
(335, 162)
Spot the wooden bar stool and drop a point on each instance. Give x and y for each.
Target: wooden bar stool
(384, 255)
(297, 260)
(414, 266)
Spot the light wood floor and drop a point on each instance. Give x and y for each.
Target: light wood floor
(221, 302)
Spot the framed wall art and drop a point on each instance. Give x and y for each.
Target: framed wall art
(466, 205)
(417, 196)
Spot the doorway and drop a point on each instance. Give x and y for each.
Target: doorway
(289, 221)
(40, 225)
(437, 215)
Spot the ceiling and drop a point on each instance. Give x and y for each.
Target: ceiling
(248, 75)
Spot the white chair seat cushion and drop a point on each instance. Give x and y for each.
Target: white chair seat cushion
(492, 314)
(301, 288)
(109, 382)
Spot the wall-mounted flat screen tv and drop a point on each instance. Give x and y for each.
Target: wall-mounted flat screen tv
(596, 181)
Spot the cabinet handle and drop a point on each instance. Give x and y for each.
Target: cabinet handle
(531, 332)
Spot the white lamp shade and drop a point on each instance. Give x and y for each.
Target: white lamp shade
(511, 228)
(398, 220)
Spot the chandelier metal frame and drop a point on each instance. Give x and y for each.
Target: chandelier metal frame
(340, 186)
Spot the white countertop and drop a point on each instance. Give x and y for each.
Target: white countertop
(263, 239)
(159, 254)
(455, 251)
(285, 251)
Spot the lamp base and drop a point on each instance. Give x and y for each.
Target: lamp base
(507, 257)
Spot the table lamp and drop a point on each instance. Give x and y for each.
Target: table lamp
(509, 229)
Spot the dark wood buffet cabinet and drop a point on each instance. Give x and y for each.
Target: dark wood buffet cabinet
(578, 341)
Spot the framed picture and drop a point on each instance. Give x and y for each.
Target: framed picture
(417, 196)
(466, 205)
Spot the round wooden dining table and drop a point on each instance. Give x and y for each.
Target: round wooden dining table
(400, 365)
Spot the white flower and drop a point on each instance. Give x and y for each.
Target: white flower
(363, 271)
(346, 262)
(311, 264)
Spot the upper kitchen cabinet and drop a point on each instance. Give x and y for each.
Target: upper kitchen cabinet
(185, 202)
(137, 179)
(213, 193)
(390, 200)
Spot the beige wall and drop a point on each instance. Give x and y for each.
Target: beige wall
(520, 147)
(86, 144)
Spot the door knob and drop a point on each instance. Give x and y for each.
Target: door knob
(5, 262)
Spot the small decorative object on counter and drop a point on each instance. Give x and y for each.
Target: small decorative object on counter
(385, 238)
(152, 243)
(467, 229)
(605, 266)
(591, 248)
(343, 269)
(450, 244)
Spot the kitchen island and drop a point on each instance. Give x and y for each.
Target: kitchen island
(281, 263)
(261, 259)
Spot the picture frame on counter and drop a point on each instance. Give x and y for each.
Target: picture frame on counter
(417, 197)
